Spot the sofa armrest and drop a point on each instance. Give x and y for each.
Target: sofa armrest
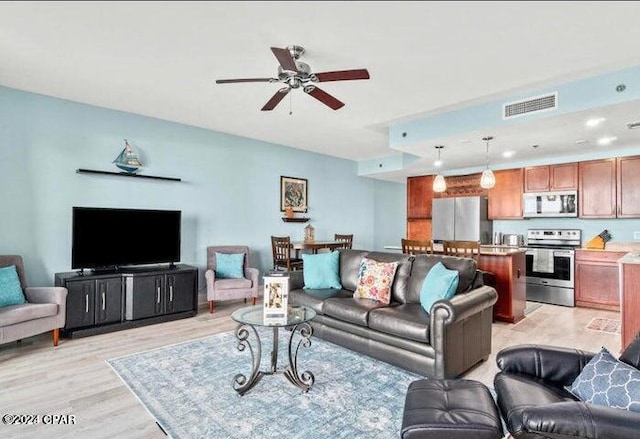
(252, 273)
(461, 306)
(296, 280)
(550, 363)
(581, 420)
(56, 295)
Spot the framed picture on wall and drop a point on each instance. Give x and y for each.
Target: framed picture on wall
(293, 193)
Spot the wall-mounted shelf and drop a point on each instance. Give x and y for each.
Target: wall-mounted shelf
(125, 174)
(295, 220)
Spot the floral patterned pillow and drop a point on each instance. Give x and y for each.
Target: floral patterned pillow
(375, 280)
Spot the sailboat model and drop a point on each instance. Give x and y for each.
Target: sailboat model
(128, 160)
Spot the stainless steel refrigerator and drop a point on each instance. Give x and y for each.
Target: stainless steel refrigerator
(461, 219)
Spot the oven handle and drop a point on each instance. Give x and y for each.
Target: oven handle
(563, 253)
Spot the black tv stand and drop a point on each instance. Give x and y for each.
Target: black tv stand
(127, 297)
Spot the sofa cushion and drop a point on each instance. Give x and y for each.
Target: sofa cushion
(407, 321)
(10, 288)
(608, 382)
(229, 265)
(232, 284)
(10, 315)
(351, 309)
(375, 280)
(400, 280)
(315, 298)
(439, 284)
(466, 267)
(321, 270)
(349, 266)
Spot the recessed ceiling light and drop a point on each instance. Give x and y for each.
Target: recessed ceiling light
(508, 154)
(594, 122)
(581, 141)
(437, 163)
(606, 140)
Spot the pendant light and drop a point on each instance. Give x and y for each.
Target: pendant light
(488, 180)
(439, 185)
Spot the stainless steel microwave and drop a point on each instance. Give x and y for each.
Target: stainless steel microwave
(551, 204)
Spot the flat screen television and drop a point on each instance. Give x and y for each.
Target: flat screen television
(109, 238)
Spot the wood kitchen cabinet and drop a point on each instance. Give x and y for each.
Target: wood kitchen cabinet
(609, 188)
(628, 187)
(419, 229)
(563, 177)
(596, 274)
(419, 197)
(509, 271)
(505, 199)
(597, 188)
(630, 293)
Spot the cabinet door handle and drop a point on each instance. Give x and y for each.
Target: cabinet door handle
(170, 293)
(86, 303)
(158, 295)
(104, 300)
(518, 273)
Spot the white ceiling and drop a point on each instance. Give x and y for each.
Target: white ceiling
(160, 59)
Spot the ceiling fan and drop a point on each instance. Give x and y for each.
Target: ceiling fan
(296, 74)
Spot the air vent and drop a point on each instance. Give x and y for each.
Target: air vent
(633, 125)
(532, 105)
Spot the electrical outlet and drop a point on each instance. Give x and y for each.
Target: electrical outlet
(636, 235)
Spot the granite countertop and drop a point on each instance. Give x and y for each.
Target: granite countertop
(630, 258)
(499, 250)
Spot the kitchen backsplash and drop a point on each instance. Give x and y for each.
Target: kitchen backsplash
(620, 229)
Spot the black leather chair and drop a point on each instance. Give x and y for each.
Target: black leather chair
(534, 403)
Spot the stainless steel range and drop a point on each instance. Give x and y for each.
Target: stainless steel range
(550, 268)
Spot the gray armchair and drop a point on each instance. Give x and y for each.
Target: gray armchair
(228, 289)
(44, 311)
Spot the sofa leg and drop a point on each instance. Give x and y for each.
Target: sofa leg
(56, 336)
(212, 306)
(254, 300)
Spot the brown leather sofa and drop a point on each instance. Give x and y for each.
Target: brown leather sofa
(451, 338)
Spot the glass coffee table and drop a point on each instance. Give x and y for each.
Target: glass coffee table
(249, 318)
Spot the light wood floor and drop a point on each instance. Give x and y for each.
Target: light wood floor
(73, 378)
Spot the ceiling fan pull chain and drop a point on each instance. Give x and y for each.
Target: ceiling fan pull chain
(290, 98)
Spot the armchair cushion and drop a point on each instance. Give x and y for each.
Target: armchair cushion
(231, 284)
(322, 271)
(229, 265)
(10, 288)
(10, 315)
(608, 382)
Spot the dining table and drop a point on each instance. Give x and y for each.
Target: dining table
(314, 246)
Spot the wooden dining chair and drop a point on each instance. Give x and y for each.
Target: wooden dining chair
(281, 250)
(417, 247)
(463, 249)
(346, 240)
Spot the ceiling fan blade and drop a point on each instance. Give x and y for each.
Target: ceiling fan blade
(324, 97)
(276, 98)
(343, 75)
(285, 59)
(231, 81)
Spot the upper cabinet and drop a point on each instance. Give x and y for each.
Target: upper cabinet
(419, 197)
(609, 188)
(562, 177)
(505, 199)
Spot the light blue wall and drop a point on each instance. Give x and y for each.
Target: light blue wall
(229, 192)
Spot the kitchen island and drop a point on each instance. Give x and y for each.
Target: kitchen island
(508, 265)
(629, 296)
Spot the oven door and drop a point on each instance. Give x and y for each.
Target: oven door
(550, 267)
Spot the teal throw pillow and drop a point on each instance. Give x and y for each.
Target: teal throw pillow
(230, 265)
(321, 271)
(608, 382)
(10, 288)
(439, 284)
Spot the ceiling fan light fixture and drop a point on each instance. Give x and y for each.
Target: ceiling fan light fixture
(488, 180)
(439, 183)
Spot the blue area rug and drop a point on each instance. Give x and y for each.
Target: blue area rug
(187, 389)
